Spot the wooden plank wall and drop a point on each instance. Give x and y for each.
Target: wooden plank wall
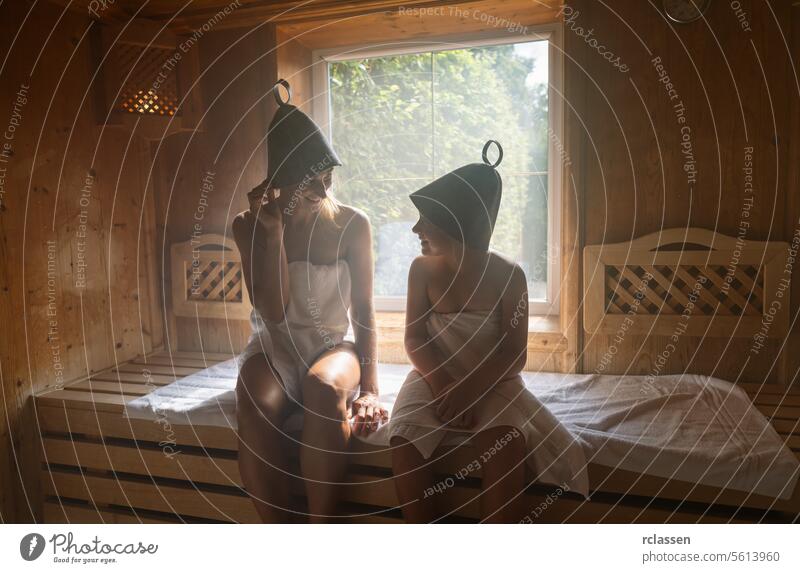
(236, 69)
(58, 173)
(793, 176)
(738, 90)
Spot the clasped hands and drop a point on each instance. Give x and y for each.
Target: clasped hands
(367, 414)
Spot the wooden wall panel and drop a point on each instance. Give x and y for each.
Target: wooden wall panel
(70, 197)
(792, 167)
(406, 22)
(236, 70)
(630, 165)
(294, 61)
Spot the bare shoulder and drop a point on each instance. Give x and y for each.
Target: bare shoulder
(348, 217)
(502, 266)
(240, 218)
(353, 232)
(500, 262)
(353, 224)
(241, 222)
(424, 267)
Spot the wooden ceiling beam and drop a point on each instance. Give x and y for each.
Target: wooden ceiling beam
(469, 22)
(293, 11)
(253, 12)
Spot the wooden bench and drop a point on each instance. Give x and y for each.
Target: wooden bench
(100, 466)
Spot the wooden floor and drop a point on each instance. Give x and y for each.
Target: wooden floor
(99, 466)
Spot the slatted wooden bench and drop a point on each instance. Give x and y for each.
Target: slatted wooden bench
(100, 466)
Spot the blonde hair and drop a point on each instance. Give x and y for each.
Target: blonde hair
(330, 208)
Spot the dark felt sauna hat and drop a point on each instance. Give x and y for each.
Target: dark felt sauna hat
(296, 148)
(464, 203)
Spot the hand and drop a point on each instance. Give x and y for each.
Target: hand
(264, 206)
(367, 414)
(455, 405)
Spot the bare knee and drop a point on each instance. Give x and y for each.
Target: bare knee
(325, 395)
(259, 393)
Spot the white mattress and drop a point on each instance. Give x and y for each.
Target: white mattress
(687, 427)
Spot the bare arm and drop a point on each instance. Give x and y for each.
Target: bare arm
(367, 412)
(259, 236)
(360, 260)
(422, 354)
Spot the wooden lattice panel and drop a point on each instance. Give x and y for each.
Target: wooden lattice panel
(693, 280)
(214, 281)
(207, 279)
(146, 77)
(653, 290)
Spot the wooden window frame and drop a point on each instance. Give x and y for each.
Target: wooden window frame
(320, 106)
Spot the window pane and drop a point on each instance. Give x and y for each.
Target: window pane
(398, 122)
(382, 130)
(524, 229)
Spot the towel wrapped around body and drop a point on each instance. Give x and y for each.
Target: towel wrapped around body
(465, 339)
(316, 320)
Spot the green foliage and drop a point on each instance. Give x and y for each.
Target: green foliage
(399, 122)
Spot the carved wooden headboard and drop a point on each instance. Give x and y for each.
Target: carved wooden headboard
(689, 281)
(207, 279)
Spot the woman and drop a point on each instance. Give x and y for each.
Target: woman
(307, 259)
(466, 336)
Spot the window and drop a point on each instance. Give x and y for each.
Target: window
(401, 117)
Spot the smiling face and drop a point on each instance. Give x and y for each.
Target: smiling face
(310, 194)
(433, 241)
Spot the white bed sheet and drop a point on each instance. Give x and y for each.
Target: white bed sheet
(687, 427)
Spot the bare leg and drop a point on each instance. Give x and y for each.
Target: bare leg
(503, 474)
(329, 384)
(261, 405)
(413, 475)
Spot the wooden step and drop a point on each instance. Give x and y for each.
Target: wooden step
(120, 388)
(78, 400)
(148, 361)
(56, 419)
(155, 369)
(197, 355)
(136, 378)
(166, 460)
(224, 504)
(789, 413)
(71, 511)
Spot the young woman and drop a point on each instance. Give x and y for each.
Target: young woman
(307, 260)
(466, 336)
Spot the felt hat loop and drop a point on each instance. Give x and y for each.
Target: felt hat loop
(485, 153)
(276, 92)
